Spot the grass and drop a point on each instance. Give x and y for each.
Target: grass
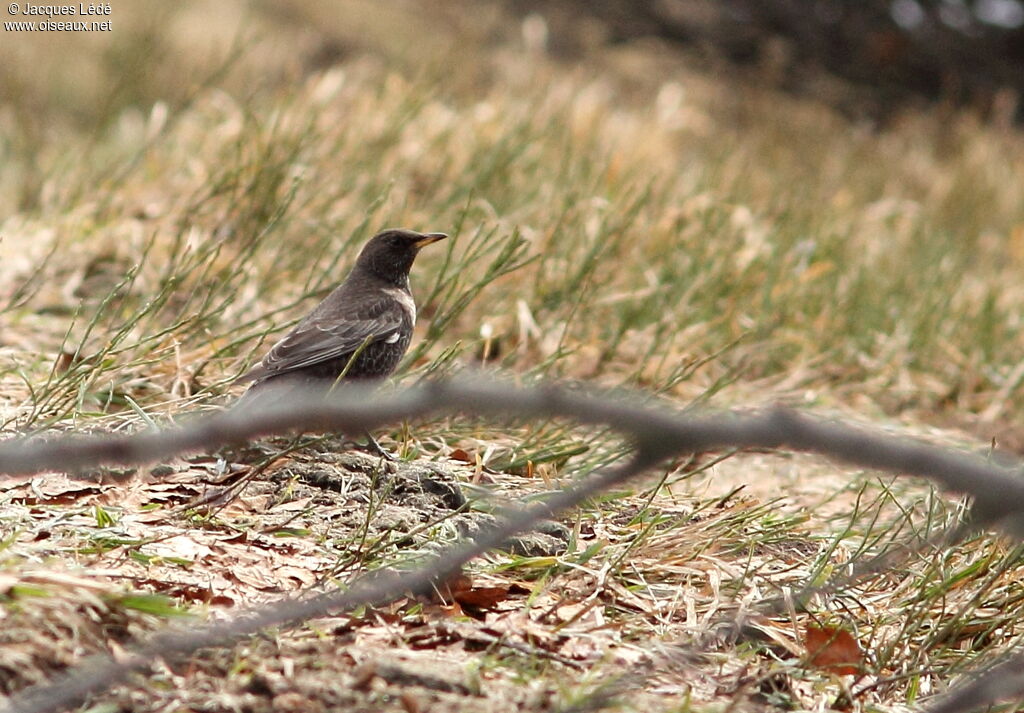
(776, 253)
(628, 222)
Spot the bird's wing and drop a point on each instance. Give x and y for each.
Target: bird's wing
(313, 342)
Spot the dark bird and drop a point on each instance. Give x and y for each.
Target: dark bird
(361, 330)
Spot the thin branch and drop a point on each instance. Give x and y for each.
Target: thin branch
(657, 434)
(1001, 682)
(998, 492)
(100, 674)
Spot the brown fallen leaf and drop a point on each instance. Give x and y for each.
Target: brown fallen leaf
(410, 703)
(51, 489)
(64, 361)
(186, 592)
(462, 455)
(453, 610)
(833, 649)
(482, 597)
(447, 591)
(459, 589)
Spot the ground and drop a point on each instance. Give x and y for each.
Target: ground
(629, 221)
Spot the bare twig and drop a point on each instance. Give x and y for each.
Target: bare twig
(998, 492)
(1001, 682)
(657, 434)
(379, 587)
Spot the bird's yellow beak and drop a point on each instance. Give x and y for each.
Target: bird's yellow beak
(429, 238)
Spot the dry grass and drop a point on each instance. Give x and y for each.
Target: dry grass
(626, 221)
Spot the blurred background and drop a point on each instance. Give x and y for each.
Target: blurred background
(813, 200)
(867, 56)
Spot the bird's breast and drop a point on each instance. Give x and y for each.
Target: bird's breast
(404, 298)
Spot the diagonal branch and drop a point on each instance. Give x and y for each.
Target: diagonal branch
(379, 587)
(1001, 682)
(998, 492)
(657, 434)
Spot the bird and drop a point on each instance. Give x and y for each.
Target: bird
(359, 332)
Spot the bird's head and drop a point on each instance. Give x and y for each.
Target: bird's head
(389, 254)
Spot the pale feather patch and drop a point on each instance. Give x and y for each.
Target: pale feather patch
(392, 338)
(404, 299)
